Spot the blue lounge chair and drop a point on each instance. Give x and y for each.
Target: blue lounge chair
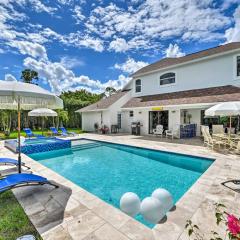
(29, 133)
(64, 131)
(21, 180)
(55, 132)
(11, 161)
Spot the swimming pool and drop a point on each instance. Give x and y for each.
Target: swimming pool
(109, 170)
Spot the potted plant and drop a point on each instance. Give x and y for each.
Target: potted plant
(189, 116)
(96, 127)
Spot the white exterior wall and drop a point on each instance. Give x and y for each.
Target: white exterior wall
(115, 108)
(218, 71)
(109, 116)
(89, 119)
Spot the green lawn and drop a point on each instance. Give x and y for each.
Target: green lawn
(14, 133)
(13, 220)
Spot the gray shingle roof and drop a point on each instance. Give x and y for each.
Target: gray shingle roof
(104, 103)
(167, 62)
(206, 95)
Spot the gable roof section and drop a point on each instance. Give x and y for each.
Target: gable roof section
(104, 103)
(167, 62)
(206, 95)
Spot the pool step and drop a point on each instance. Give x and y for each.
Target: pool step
(86, 146)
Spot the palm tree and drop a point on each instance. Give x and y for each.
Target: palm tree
(29, 75)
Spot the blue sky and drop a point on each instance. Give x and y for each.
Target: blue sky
(95, 44)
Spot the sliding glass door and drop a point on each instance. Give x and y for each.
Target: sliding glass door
(158, 118)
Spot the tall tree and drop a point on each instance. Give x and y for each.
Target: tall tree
(110, 91)
(29, 76)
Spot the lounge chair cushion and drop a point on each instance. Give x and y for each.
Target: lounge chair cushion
(20, 178)
(9, 161)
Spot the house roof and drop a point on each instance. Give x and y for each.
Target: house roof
(167, 62)
(104, 103)
(206, 95)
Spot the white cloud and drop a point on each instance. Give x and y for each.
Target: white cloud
(119, 45)
(78, 16)
(71, 62)
(174, 51)
(10, 77)
(153, 20)
(61, 78)
(40, 7)
(130, 66)
(233, 34)
(30, 48)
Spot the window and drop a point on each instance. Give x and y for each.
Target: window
(119, 120)
(131, 114)
(138, 85)
(167, 78)
(238, 66)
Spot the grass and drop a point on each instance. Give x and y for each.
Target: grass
(13, 134)
(13, 220)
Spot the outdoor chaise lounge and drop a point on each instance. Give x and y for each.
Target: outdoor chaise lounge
(11, 161)
(29, 133)
(235, 182)
(55, 132)
(22, 179)
(64, 131)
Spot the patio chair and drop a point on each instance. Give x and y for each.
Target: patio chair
(30, 134)
(208, 140)
(21, 180)
(158, 131)
(11, 161)
(172, 133)
(64, 131)
(56, 133)
(217, 129)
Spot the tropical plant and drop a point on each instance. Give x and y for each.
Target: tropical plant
(96, 127)
(6, 120)
(231, 222)
(62, 118)
(29, 76)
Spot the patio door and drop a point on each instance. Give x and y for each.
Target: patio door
(158, 118)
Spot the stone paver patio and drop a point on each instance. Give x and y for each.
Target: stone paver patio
(70, 212)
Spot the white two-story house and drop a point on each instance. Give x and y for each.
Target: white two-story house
(172, 92)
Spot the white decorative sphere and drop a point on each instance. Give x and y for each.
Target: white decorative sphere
(130, 203)
(164, 197)
(152, 209)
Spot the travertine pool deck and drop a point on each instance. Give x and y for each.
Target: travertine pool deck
(70, 212)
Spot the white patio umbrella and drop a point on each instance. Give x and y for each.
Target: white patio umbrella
(229, 109)
(42, 112)
(19, 96)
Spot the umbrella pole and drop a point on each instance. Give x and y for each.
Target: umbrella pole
(19, 139)
(42, 124)
(230, 126)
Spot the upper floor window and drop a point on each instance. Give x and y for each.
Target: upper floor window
(138, 85)
(131, 114)
(238, 66)
(167, 78)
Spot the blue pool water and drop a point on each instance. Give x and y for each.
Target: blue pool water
(110, 170)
